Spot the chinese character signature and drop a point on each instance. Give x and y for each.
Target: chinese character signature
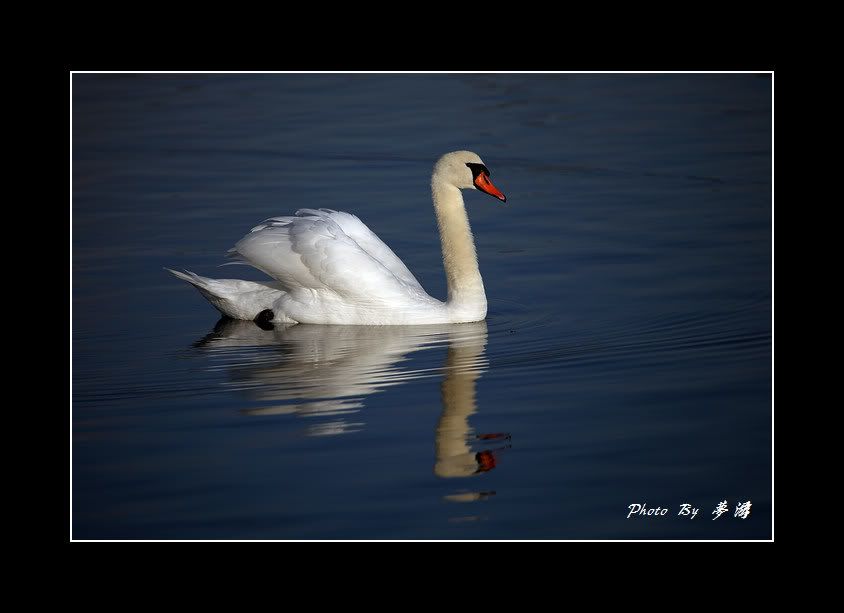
(742, 509)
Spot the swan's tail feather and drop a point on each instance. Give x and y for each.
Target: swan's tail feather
(206, 287)
(191, 277)
(235, 298)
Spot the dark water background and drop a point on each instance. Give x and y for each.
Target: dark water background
(626, 357)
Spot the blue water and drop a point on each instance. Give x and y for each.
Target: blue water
(626, 358)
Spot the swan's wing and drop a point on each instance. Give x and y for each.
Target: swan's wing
(312, 251)
(358, 231)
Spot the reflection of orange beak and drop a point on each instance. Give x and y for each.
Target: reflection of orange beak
(485, 460)
(483, 183)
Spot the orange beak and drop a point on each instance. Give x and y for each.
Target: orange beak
(483, 183)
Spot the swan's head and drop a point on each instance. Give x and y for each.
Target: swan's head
(466, 170)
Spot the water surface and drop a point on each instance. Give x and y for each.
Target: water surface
(626, 357)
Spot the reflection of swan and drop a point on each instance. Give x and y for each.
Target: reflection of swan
(329, 268)
(455, 458)
(329, 370)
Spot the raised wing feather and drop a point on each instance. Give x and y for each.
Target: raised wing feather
(328, 250)
(366, 239)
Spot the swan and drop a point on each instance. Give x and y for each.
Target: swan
(330, 268)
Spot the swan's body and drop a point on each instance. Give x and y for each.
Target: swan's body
(329, 268)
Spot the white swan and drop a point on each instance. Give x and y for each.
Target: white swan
(329, 268)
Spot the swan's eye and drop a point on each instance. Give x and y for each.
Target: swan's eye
(477, 169)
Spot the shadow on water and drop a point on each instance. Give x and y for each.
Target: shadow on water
(329, 371)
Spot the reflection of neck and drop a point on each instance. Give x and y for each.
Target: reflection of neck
(454, 456)
(465, 286)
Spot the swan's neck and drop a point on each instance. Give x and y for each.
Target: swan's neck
(465, 286)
